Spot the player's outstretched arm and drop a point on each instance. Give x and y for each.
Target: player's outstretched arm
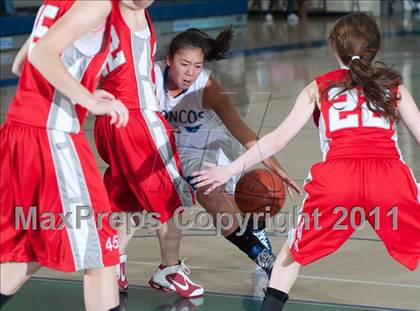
(267, 145)
(216, 98)
(409, 113)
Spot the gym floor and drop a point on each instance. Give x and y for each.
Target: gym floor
(268, 65)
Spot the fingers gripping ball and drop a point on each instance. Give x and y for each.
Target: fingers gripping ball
(260, 190)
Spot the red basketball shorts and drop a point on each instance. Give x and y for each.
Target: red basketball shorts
(51, 198)
(144, 171)
(343, 193)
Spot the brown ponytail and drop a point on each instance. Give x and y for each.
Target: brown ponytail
(213, 49)
(356, 40)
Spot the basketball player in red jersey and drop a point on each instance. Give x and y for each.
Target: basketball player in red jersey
(359, 106)
(47, 166)
(144, 167)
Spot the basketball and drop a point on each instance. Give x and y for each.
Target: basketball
(260, 190)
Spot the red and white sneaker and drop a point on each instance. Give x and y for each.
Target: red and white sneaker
(175, 278)
(121, 273)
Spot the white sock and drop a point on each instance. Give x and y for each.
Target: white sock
(123, 258)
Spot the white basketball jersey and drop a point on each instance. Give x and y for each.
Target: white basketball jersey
(199, 126)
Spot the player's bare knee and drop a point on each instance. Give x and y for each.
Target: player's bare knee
(173, 229)
(12, 285)
(100, 272)
(285, 256)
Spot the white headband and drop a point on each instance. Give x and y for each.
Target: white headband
(355, 57)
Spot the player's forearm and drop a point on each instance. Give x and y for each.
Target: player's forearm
(263, 149)
(52, 68)
(249, 140)
(276, 140)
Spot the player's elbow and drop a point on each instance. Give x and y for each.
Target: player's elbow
(16, 70)
(35, 57)
(38, 56)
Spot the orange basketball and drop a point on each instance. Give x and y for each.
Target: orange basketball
(260, 190)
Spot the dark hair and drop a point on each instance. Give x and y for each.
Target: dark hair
(213, 49)
(356, 40)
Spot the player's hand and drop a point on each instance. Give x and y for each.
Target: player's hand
(273, 165)
(289, 182)
(102, 94)
(212, 176)
(113, 108)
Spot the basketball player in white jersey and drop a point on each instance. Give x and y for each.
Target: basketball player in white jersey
(210, 130)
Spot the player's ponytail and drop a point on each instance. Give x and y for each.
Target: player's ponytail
(219, 46)
(213, 49)
(356, 40)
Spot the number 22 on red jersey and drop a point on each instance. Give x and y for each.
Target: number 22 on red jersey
(349, 110)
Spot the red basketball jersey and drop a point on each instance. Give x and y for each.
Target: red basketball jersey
(347, 127)
(129, 72)
(37, 102)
